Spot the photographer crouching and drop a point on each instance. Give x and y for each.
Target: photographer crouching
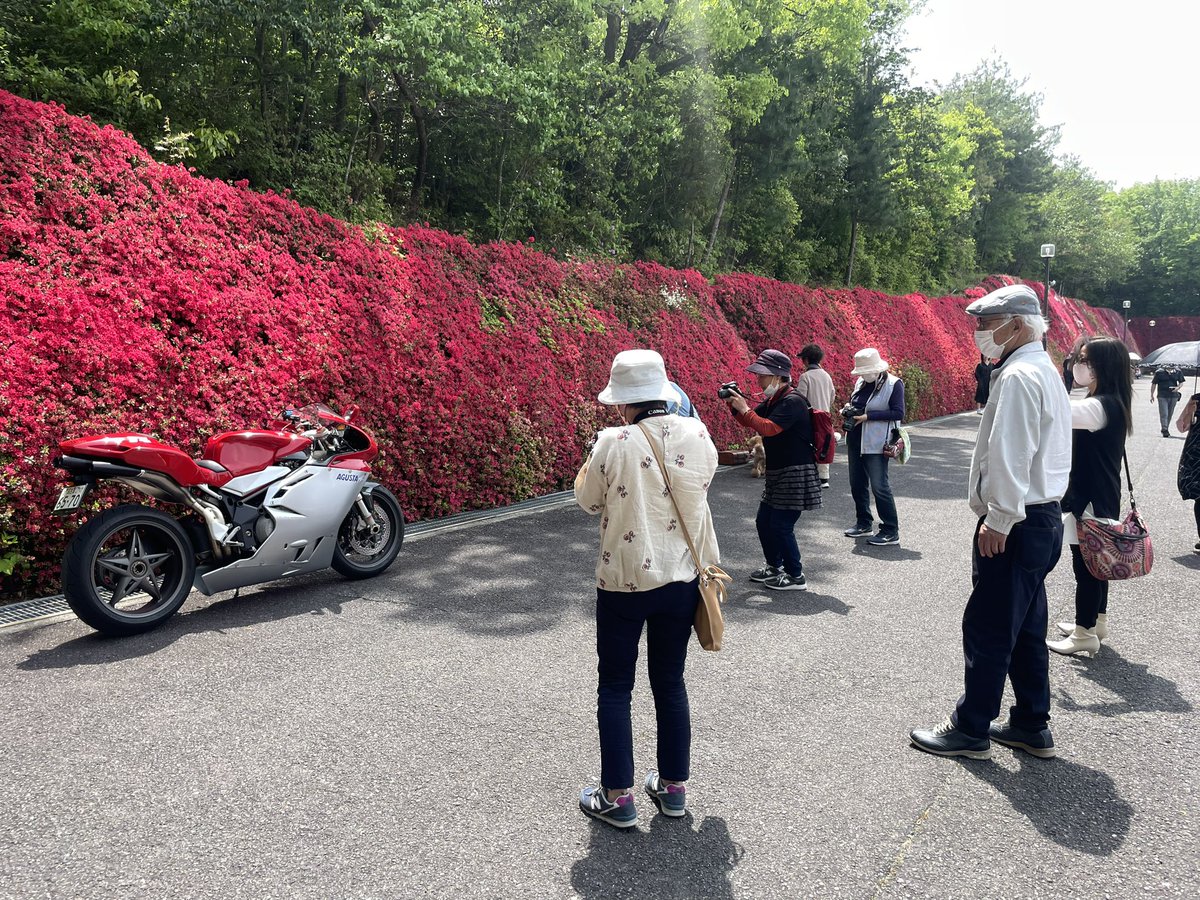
(792, 484)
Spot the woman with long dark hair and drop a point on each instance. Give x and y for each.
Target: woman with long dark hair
(1100, 421)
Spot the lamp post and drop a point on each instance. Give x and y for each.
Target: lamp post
(1047, 255)
(1153, 346)
(1125, 304)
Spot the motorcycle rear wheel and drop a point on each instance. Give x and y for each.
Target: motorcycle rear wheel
(360, 554)
(128, 570)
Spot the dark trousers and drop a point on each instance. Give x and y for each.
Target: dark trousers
(869, 472)
(1004, 625)
(667, 612)
(1091, 594)
(1166, 409)
(777, 534)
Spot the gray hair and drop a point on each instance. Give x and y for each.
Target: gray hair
(1036, 324)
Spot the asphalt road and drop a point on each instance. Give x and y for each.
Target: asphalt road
(425, 734)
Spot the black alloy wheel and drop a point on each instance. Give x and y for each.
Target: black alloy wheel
(128, 570)
(363, 552)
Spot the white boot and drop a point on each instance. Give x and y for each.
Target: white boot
(1101, 626)
(1081, 640)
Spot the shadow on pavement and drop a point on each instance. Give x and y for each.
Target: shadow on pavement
(273, 602)
(885, 553)
(1076, 807)
(1139, 690)
(1188, 561)
(787, 603)
(673, 861)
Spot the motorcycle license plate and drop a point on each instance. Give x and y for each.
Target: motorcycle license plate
(70, 498)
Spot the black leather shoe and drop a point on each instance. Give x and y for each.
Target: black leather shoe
(946, 740)
(1038, 743)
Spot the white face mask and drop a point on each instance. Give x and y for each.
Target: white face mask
(870, 377)
(1083, 374)
(770, 389)
(986, 341)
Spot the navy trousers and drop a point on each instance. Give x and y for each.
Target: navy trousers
(1004, 625)
(667, 613)
(777, 534)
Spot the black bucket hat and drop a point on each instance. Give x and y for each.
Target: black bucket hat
(771, 362)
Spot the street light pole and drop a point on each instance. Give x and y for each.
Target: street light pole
(1125, 304)
(1047, 255)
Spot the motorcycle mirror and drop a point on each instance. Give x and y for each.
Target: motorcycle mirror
(349, 414)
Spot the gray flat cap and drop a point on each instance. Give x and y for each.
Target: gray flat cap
(1010, 300)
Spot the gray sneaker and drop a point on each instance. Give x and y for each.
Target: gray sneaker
(671, 799)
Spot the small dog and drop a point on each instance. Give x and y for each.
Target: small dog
(758, 457)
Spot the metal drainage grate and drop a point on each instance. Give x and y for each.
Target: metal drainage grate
(28, 610)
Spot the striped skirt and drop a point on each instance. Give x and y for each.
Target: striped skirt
(793, 487)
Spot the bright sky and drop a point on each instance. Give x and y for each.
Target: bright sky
(1120, 78)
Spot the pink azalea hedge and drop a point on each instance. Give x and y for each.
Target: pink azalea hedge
(136, 296)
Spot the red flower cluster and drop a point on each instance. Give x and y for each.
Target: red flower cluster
(135, 296)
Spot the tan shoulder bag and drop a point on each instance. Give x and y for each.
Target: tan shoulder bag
(709, 622)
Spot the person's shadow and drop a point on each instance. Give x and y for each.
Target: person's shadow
(1133, 683)
(1071, 804)
(672, 862)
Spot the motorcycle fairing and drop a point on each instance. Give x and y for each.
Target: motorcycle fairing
(144, 452)
(307, 508)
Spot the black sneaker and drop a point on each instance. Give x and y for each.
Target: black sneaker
(594, 803)
(1196, 549)
(825, 485)
(880, 539)
(785, 582)
(766, 573)
(858, 531)
(1039, 743)
(946, 740)
(1166, 433)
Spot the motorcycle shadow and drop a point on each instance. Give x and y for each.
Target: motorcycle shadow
(315, 594)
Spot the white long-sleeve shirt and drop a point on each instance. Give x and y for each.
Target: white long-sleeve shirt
(1087, 414)
(1023, 451)
(641, 544)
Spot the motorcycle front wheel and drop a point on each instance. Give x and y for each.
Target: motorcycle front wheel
(364, 551)
(128, 570)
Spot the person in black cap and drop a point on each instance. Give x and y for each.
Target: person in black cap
(1019, 474)
(784, 419)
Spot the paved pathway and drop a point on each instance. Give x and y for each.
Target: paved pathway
(425, 734)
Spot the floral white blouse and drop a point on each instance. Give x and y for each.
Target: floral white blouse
(641, 544)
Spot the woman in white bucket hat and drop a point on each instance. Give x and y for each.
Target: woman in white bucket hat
(645, 577)
(878, 404)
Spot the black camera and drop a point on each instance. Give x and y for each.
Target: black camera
(849, 413)
(729, 389)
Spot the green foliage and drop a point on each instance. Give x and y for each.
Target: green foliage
(917, 387)
(9, 558)
(780, 137)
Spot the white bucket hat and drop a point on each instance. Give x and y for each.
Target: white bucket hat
(637, 376)
(868, 362)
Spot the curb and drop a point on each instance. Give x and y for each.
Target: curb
(54, 608)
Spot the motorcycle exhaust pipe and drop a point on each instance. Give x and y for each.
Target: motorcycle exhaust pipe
(92, 469)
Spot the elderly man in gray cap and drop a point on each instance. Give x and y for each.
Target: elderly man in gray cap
(1018, 476)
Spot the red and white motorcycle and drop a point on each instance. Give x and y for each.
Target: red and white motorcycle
(258, 505)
